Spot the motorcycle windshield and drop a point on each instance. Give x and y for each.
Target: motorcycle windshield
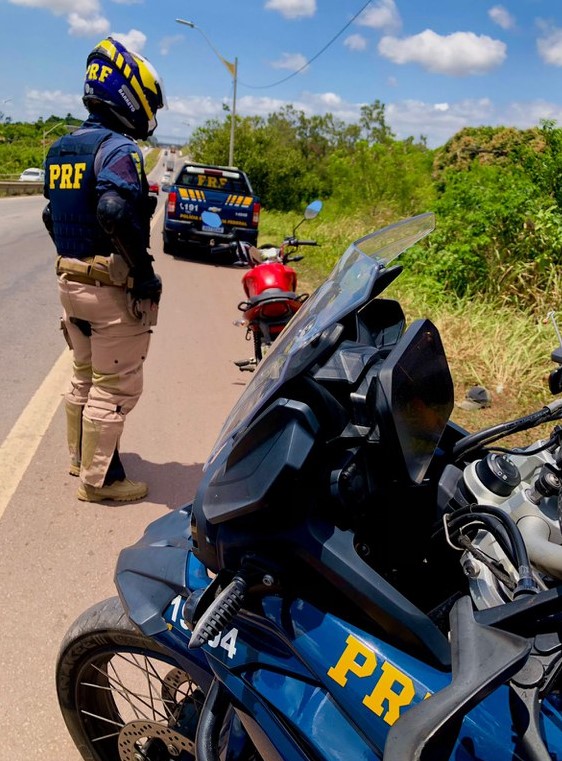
(347, 288)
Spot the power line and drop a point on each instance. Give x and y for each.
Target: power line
(314, 57)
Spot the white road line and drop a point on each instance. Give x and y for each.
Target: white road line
(19, 447)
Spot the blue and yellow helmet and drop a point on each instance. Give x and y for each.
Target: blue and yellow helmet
(124, 88)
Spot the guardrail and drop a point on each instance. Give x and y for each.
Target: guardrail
(20, 188)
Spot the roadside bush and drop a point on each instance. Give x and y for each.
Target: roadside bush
(499, 226)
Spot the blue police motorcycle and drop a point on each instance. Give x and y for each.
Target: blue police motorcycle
(356, 578)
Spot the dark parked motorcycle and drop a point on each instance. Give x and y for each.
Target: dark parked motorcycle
(356, 578)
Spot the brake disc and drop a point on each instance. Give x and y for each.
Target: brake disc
(135, 736)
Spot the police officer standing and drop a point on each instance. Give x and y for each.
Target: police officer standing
(98, 216)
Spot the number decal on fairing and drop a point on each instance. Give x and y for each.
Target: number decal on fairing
(177, 611)
(225, 639)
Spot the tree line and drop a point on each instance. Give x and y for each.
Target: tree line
(23, 144)
(496, 191)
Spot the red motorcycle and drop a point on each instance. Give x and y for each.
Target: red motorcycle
(270, 286)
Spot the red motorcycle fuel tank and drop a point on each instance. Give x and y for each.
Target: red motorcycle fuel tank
(269, 275)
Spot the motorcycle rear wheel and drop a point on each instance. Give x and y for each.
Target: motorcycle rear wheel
(258, 346)
(121, 696)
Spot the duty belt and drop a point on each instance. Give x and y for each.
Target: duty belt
(90, 271)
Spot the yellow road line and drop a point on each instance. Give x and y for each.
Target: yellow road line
(19, 447)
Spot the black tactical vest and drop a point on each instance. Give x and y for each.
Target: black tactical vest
(71, 184)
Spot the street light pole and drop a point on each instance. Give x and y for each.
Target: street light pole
(233, 69)
(45, 133)
(233, 117)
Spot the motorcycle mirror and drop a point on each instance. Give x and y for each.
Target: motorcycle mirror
(313, 210)
(211, 219)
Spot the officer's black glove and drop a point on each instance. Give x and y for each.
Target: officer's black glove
(48, 220)
(151, 288)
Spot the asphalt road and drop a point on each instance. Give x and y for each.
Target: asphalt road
(57, 555)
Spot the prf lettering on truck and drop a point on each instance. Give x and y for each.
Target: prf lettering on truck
(209, 181)
(393, 690)
(66, 176)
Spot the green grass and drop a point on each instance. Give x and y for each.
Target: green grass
(151, 160)
(487, 343)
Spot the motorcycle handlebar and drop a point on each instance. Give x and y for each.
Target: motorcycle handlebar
(304, 243)
(295, 242)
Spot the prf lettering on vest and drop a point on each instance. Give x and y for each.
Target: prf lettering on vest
(393, 689)
(66, 176)
(95, 71)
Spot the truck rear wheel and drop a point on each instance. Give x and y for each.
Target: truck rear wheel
(170, 244)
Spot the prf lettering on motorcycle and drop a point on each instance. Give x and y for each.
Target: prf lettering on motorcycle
(393, 690)
(66, 176)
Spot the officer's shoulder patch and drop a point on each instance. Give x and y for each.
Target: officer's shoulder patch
(137, 162)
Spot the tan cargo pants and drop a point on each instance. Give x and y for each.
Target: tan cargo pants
(107, 375)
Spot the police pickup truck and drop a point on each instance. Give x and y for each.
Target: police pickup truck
(202, 187)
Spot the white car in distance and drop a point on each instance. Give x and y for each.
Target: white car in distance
(33, 174)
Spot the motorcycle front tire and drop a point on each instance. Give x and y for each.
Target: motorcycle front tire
(122, 696)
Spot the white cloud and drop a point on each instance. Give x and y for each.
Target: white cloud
(83, 16)
(199, 108)
(458, 54)
(292, 8)
(384, 15)
(134, 40)
(252, 105)
(502, 17)
(439, 124)
(78, 26)
(166, 43)
(42, 103)
(330, 100)
(550, 45)
(437, 121)
(62, 7)
(290, 61)
(530, 113)
(355, 42)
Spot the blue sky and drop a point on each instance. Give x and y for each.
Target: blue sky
(437, 65)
